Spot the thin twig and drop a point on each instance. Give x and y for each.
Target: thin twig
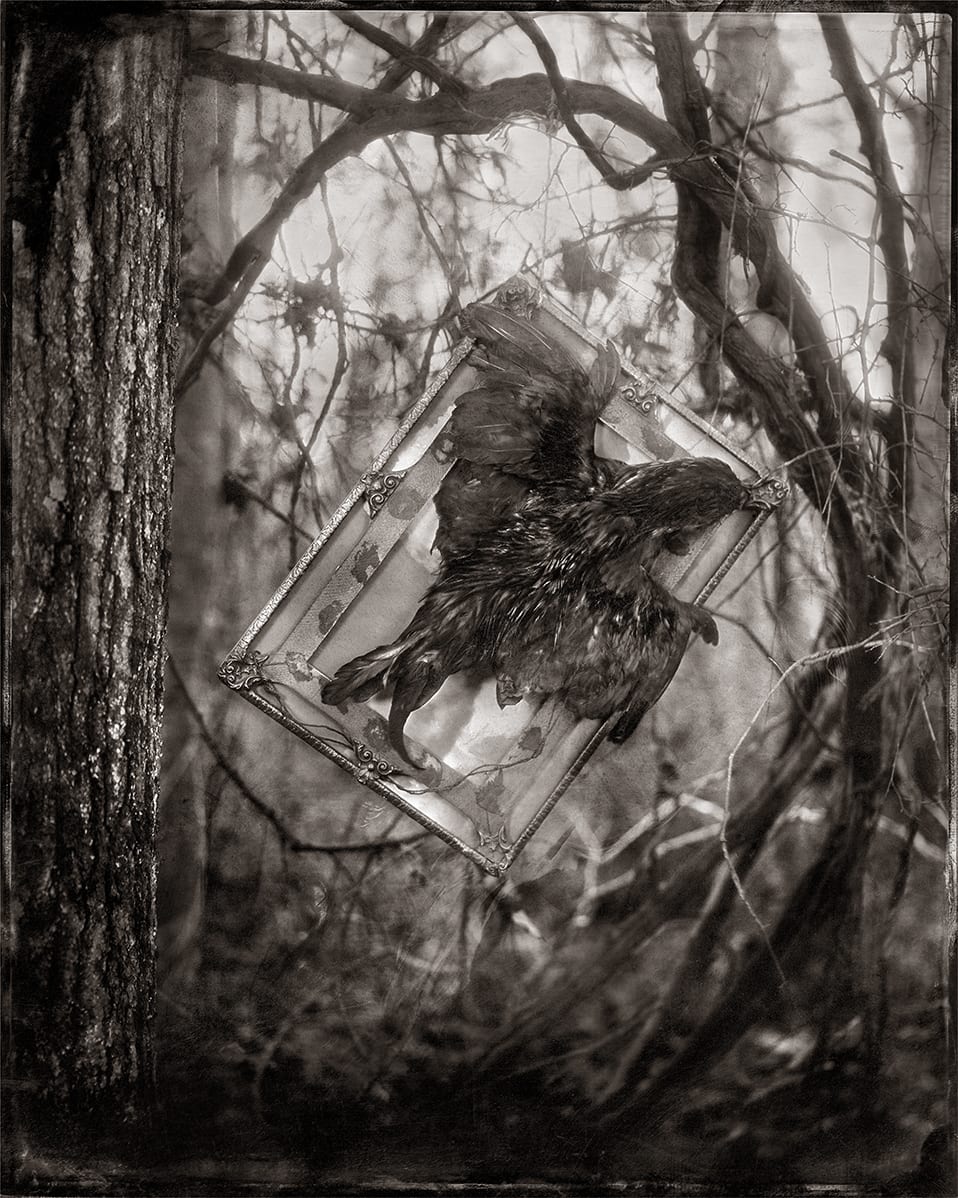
(402, 53)
(253, 250)
(287, 838)
(897, 345)
(234, 482)
(618, 180)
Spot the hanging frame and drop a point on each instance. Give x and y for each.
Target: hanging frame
(490, 776)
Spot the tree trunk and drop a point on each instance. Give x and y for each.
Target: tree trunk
(93, 110)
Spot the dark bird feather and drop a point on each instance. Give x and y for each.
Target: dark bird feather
(546, 547)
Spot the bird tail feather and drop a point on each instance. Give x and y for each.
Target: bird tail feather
(417, 677)
(604, 375)
(516, 341)
(360, 678)
(513, 342)
(648, 693)
(489, 430)
(415, 686)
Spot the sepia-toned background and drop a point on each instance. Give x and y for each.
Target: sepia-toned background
(723, 958)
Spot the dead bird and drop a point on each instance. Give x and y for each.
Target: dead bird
(546, 547)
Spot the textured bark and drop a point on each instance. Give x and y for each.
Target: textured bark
(93, 131)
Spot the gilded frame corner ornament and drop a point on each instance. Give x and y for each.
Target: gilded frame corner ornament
(642, 394)
(519, 295)
(244, 671)
(377, 488)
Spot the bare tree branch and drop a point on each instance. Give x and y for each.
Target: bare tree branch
(814, 903)
(403, 54)
(698, 230)
(781, 292)
(748, 829)
(346, 141)
(695, 275)
(287, 838)
(616, 179)
(361, 102)
(252, 251)
(233, 484)
(896, 346)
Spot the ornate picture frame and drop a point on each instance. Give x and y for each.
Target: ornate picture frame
(490, 777)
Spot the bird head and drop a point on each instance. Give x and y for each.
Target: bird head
(667, 504)
(687, 495)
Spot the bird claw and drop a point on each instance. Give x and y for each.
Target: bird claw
(703, 624)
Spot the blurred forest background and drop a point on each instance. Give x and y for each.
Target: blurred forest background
(724, 956)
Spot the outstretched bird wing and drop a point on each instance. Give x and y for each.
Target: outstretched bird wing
(527, 430)
(528, 427)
